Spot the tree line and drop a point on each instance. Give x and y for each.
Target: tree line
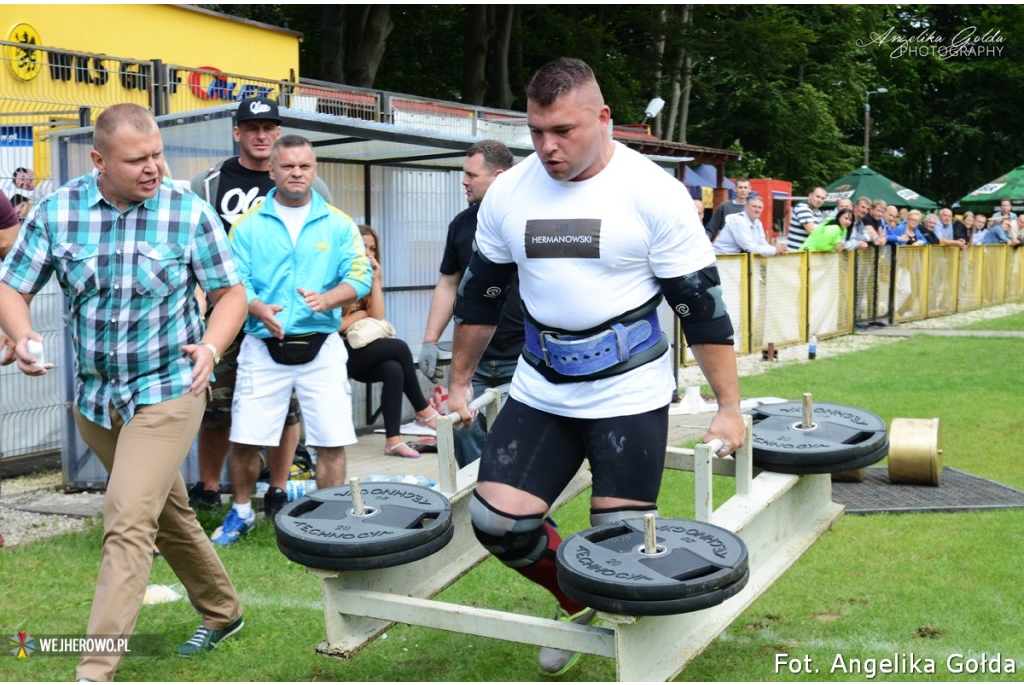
(783, 84)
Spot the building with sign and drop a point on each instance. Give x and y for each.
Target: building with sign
(58, 72)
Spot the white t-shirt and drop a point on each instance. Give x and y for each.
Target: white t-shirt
(293, 217)
(588, 251)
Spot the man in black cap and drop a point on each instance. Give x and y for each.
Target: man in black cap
(234, 186)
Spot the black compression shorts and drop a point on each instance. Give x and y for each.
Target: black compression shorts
(539, 453)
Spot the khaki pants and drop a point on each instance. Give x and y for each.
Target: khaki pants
(146, 502)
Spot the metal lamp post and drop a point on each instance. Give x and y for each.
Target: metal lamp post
(867, 121)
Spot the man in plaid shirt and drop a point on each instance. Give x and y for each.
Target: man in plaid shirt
(128, 250)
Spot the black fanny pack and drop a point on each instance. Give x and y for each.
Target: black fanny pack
(295, 349)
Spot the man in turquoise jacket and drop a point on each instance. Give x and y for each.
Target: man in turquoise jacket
(301, 260)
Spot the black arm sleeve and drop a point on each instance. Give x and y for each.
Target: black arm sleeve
(697, 300)
(482, 291)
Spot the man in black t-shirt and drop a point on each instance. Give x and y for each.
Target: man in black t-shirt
(733, 206)
(485, 160)
(234, 186)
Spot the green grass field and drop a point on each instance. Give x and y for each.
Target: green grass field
(1014, 322)
(925, 585)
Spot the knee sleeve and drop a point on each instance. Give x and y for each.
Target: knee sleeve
(515, 541)
(616, 514)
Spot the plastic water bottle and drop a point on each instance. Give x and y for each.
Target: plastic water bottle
(812, 349)
(299, 488)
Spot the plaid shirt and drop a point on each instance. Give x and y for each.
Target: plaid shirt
(130, 279)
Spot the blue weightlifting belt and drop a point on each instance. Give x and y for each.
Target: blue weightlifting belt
(582, 356)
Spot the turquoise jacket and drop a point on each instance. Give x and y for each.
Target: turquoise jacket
(329, 251)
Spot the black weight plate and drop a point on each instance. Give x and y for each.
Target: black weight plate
(370, 562)
(849, 465)
(608, 560)
(840, 434)
(654, 607)
(323, 523)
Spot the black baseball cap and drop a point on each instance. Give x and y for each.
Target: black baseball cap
(257, 108)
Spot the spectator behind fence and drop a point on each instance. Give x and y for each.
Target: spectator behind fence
(1015, 232)
(841, 204)
(385, 360)
(874, 219)
(980, 231)
(805, 218)
(743, 232)
(733, 206)
(946, 230)
(1005, 211)
(964, 228)
(831, 234)
(1011, 232)
(908, 233)
(892, 221)
(862, 234)
(999, 234)
(301, 261)
(129, 251)
(927, 229)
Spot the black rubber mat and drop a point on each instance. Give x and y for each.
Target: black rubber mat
(959, 491)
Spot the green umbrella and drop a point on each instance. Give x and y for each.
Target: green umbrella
(1009, 186)
(865, 182)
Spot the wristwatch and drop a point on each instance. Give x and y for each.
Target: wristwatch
(213, 350)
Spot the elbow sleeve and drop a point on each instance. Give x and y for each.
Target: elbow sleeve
(482, 291)
(696, 299)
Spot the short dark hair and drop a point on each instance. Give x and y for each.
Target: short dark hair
(496, 155)
(289, 141)
(558, 78)
(136, 116)
(742, 179)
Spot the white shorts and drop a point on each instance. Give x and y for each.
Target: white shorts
(263, 390)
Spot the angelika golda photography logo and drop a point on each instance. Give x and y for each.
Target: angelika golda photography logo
(24, 644)
(969, 42)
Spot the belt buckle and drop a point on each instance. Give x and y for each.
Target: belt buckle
(544, 347)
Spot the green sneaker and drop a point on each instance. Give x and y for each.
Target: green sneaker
(206, 638)
(558, 661)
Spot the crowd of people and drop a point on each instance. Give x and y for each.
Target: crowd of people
(735, 226)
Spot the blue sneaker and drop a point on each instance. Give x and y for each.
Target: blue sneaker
(234, 527)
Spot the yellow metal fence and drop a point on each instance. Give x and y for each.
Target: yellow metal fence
(785, 300)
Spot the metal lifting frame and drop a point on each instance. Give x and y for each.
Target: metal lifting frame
(778, 516)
